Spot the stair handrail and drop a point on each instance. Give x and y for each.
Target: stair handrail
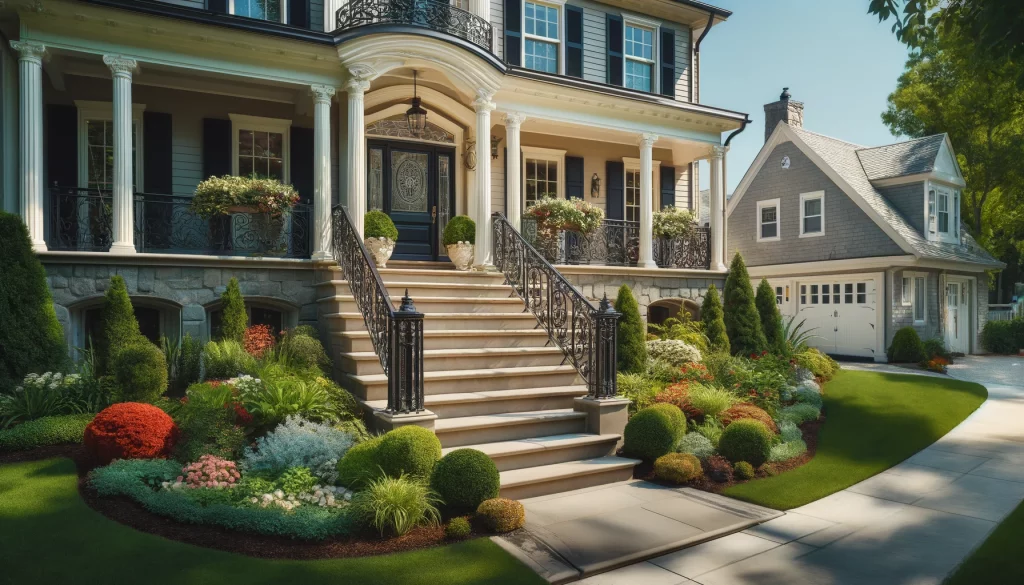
(585, 333)
(397, 336)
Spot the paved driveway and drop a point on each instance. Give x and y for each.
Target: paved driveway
(910, 525)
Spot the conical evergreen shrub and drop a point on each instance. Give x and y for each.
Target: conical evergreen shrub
(120, 329)
(235, 321)
(31, 338)
(632, 343)
(771, 319)
(742, 323)
(714, 324)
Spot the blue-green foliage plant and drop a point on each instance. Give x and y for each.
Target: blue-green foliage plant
(299, 443)
(696, 444)
(799, 413)
(789, 432)
(786, 451)
(805, 395)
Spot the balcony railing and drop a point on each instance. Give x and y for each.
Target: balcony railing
(437, 15)
(616, 242)
(81, 220)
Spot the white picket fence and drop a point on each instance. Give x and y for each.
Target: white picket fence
(1003, 312)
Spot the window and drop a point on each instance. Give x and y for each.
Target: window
(862, 293)
(814, 294)
(632, 195)
(542, 174)
(540, 27)
(803, 294)
(812, 214)
(943, 211)
(260, 147)
(778, 295)
(768, 220)
(272, 10)
(906, 291)
(915, 291)
(639, 53)
(956, 216)
(96, 145)
(848, 293)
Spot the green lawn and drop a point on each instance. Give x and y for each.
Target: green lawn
(48, 535)
(874, 421)
(998, 559)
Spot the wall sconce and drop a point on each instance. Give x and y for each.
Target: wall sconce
(495, 141)
(595, 186)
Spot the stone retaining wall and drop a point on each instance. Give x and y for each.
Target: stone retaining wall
(647, 289)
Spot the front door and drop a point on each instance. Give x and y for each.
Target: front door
(413, 184)
(957, 317)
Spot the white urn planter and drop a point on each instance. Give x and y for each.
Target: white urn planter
(381, 249)
(461, 255)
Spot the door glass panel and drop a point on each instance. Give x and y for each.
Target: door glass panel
(375, 181)
(409, 182)
(953, 306)
(444, 186)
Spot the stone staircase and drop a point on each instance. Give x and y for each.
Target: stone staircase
(491, 377)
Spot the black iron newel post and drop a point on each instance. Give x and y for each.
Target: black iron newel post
(604, 383)
(405, 382)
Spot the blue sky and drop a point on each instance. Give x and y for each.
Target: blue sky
(835, 57)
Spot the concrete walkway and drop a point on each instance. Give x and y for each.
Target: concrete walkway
(910, 525)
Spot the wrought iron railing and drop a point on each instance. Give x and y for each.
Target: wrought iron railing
(586, 334)
(692, 250)
(397, 335)
(438, 15)
(82, 219)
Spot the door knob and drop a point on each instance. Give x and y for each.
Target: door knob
(433, 215)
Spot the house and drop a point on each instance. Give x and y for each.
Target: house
(113, 111)
(861, 241)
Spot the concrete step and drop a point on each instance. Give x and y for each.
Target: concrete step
(439, 360)
(433, 305)
(493, 428)
(375, 386)
(427, 275)
(353, 321)
(496, 402)
(542, 480)
(534, 452)
(425, 289)
(353, 341)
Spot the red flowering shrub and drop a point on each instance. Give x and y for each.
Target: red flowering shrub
(694, 372)
(258, 339)
(678, 395)
(746, 410)
(130, 430)
(936, 364)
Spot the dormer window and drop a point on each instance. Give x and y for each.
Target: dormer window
(943, 205)
(271, 10)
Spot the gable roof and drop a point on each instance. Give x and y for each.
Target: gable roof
(903, 158)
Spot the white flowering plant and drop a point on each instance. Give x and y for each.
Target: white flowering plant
(673, 351)
(218, 195)
(42, 395)
(672, 222)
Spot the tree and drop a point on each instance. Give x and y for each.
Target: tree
(120, 329)
(235, 320)
(713, 319)
(742, 323)
(771, 319)
(632, 343)
(31, 338)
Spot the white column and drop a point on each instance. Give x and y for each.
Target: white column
(646, 258)
(322, 232)
(717, 211)
(123, 232)
(30, 65)
(356, 166)
(514, 177)
(483, 106)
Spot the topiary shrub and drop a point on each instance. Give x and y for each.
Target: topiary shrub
(42, 432)
(742, 322)
(746, 440)
(458, 529)
(654, 431)
(465, 478)
(120, 329)
(678, 468)
(743, 470)
(631, 338)
(459, 229)
(409, 450)
(714, 321)
(745, 410)
(140, 370)
(234, 321)
(501, 515)
(906, 347)
(31, 338)
(377, 224)
(130, 430)
(359, 465)
(771, 318)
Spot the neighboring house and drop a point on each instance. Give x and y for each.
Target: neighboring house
(861, 241)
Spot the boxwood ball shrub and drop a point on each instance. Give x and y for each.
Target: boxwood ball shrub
(631, 342)
(501, 515)
(746, 440)
(654, 431)
(235, 320)
(465, 478)
(678, 468)
(140, 370)
(409, 450)
(359, 465)
(747, 411)
(42, 432)
(743, 470)
(459, 229)
(130, 430)
(377, 224)
(906, 347)
(458, 528)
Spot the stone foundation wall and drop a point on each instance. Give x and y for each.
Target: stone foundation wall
(647, 288)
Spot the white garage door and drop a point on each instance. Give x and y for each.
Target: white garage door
(841, 311)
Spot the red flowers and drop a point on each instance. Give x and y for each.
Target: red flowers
(258, 339)
(130, 430)
(694, 372)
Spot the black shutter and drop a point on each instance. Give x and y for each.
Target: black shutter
(220, 6)
(62, 145)
(156, 153)
(574, 180)
(574, 41)
(668, 62)
(668, 187)
(216, 147)
(615, 58)
(514, 32)
(298, 13)
(301, 165)
(615, 187)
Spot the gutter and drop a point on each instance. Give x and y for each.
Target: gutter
(696, 55)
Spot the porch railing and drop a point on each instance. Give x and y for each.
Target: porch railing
(586, 334)
(397, 335)
(438, 15)
(82, 220)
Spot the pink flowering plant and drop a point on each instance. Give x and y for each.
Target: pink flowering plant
(220, 195)
(210, 472)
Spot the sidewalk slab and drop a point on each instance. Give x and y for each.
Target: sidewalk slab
(945, 460)
(640, 573)
(977, 497)
(706, 557)
(905, 483)
(792, 526)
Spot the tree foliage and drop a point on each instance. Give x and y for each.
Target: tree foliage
(771, 319)
(713, 319)
(632, 346)
(235, 320)
(120, 328)
(742, 322)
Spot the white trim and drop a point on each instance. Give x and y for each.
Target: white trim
(261, 124)
(284, 11)
(544, 154)
(806, 197)
(852, 264)
(558, 5)
(93, 110)
(913, 276)
(777, 204)
(909, 179)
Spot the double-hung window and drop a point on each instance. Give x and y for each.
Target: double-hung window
(260, 147)
(541, 32)
(914, 295)
(542, 174)
(943, 208)
(942, 215)
(768, 220)
(272, 10)
(639, 54)
(812, 214)
(96, 145)
(632, 195)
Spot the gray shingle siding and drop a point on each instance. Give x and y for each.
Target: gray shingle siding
(903, 315)
(595, 47)
(909, 201)
(849, 232)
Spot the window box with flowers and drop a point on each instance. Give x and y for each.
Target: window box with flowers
(263, 203)
(554, 217)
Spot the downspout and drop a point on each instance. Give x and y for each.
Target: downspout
(696, 57)
(725, 181)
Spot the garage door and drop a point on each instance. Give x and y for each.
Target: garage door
(841, 311)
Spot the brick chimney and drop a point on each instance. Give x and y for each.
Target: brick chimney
(785, 110)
